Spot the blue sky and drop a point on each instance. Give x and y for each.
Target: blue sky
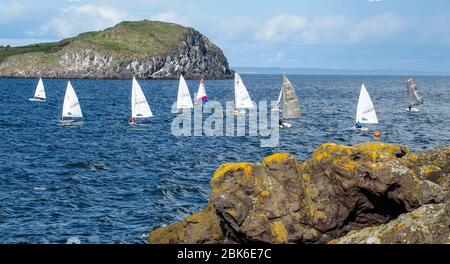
(410, 35)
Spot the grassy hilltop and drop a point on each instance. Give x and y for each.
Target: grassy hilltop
(127, 41)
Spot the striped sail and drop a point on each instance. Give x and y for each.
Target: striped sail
(291, 105)
(201, 94)
(414, 94)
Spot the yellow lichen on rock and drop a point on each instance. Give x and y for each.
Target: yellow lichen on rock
(246, 167)
(429, 169)
(380, 151)
(350, 165)
(277, 157)
(327, 149)
(279, 232)
(264, 193)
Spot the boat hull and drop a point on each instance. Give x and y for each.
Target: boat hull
(285, 125)
(412, 110)
(33, 99)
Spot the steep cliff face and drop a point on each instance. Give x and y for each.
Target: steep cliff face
(145, 49)
(353, 193)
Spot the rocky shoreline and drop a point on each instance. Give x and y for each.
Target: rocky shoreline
(371, 193)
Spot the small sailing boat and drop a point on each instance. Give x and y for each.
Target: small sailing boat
(71, 107)
(414, 95)
(139, 105)
(184, 100)
(242, 100)
(291, 105)
(39, 93)
(365, 113)
(201, 94)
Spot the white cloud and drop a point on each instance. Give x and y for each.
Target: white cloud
(279, 56)
(235, 27)
(11, 10)
(377, 27)
(283, 27)
(301, 29)
(326, 29)
(76, 19)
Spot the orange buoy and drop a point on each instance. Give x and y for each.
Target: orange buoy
(378, 134)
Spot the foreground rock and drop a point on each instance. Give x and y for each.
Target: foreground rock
(338, 190)
(145, 49)
(427, 225)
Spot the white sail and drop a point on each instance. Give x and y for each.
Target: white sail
(40, 91)
(71, 106)
(365, 113)
(242, 98)
(201, 94)
(277, 104)
(139, 104)
(184, 100)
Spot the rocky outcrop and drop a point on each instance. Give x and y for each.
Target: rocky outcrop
(427, 225)
(126, 50)
(338, 191)
(195, 58)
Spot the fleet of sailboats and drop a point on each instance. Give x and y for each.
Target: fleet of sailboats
(288, 103)
(71, 107)
(414, 95)
(242, 100)
(365, 113)
(39, 93)
(140, 109)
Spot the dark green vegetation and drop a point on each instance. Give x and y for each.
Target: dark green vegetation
(6, 52)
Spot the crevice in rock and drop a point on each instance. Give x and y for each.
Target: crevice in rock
(382, 208)
(401, 154)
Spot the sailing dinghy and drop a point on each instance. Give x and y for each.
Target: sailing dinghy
(290, 103)
(39, 93)
(71, 107)
(365, 113)
(242, 100)
(414, 95)
(201, 94)
(140, 110)
(184, 100)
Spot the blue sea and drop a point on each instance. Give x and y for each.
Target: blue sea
(104, 181)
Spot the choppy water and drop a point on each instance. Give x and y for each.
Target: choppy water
(108, 182)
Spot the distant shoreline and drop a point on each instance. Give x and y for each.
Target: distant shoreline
(319, 71)
(240, 72)
(120, 79)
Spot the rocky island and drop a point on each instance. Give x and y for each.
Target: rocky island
(371, 193)
(144, 49)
